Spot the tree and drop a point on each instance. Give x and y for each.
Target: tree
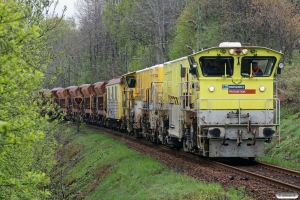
(65, 65)
(274, 24)
(99, 53)
(195, 28)
(116, 36)
(143, 26)
(23, 58)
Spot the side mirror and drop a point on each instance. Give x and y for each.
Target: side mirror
(195, 65)
(193, 70)
(278, 70)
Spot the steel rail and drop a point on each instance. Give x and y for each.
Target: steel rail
(260, 177)
(282, 170)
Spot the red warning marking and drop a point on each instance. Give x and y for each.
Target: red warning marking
(246, 91)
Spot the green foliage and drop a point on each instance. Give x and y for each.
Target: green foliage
(197, 27)
(185, 33)
(257, 23)
(290, 83)
(141, 58)
(137, 34)
(117, 22)
(23, 57)
(94, 166)
(120, 20)
(62, 70)
(287, 152)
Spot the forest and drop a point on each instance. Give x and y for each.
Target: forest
(107, 38)
(110, 38)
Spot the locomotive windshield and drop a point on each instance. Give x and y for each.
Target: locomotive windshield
(216, 66)
(261, 66)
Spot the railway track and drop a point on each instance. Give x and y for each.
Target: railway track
(284, 179)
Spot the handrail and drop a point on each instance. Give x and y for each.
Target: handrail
(267, 109)
(190, 92)
(156, 94)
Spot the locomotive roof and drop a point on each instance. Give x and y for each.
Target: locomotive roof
(229, 45)
(129, 73)
(148, 68)
(114, 81)
(172, 61)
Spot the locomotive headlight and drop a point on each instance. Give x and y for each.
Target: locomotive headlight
(280, 65)
(231, 51)
(245, 51)
(262, 88)
(211, 88)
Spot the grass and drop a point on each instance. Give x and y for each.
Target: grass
(98, 167)
(288, 153)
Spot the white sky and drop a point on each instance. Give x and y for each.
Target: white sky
(70, 7)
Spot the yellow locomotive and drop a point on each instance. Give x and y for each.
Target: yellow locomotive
(220, 104)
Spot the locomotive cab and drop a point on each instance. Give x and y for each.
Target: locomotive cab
(229, 107)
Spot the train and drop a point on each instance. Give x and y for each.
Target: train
(211, 103)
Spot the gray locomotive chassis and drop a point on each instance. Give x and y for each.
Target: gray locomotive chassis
(236, 138)
(241, 130)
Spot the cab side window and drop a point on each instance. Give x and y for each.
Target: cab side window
(131, 82)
